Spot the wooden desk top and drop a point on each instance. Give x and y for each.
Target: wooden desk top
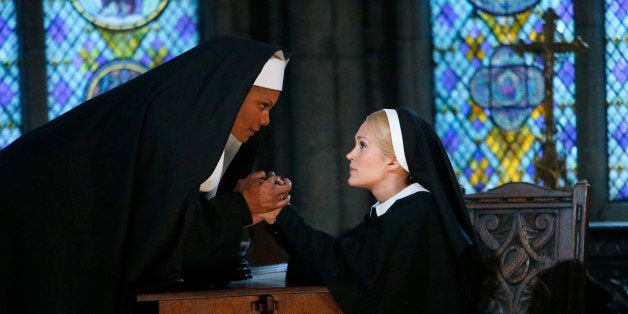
(266, 292)
(267, 283)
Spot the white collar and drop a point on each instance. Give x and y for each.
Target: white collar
(382, 208)
(231, 148)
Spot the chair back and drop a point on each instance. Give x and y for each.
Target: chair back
(532, 240)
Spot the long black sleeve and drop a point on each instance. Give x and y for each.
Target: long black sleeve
(361, 266)
(212, 238)
(397, 263)
(339, 258)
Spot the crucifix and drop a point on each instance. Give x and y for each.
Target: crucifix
(550, 168)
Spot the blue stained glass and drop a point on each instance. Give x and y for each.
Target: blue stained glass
(91, 47)
(504, 7)
(616, 29)
(484, 154)
(10, 107)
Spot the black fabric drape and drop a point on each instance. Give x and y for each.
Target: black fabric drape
(429, 165)
(100, 201)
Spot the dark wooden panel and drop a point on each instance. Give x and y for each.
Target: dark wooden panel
(532, 240)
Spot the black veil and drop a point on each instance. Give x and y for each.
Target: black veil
(101, 197)
(429, 165)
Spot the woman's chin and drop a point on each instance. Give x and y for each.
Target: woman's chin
(353, 183)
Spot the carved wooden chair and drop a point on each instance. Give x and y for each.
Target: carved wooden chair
(533, 242)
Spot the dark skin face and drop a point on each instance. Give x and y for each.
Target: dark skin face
(254, 112)
(263, 192)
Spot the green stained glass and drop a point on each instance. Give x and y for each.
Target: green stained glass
(616, 28)
(10, 108)
(465, 38)
(93, 46)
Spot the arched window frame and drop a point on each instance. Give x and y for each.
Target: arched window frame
(590, 100)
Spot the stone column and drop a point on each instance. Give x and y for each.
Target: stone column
(326, 78)
(352, 103)
(32, 64)
(313, 112)
(414, 54)
(591, 103)
(229, 17)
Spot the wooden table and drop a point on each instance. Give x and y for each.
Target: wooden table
(266, 292)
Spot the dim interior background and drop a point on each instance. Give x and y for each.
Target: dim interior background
(451, 61)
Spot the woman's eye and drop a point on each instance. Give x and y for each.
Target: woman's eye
(362, 145)
(262, 106)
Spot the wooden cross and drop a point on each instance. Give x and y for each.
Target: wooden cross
(550, 168)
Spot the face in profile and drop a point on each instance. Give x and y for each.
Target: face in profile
(254, 112)
(368, 162)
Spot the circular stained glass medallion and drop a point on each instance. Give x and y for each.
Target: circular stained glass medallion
(112, 75)
(120, 14)
(504, 7)
(508, 88)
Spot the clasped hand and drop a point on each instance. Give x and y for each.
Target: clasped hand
(265, 193)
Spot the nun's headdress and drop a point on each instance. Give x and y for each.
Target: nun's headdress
(420, 152)
(271, 75)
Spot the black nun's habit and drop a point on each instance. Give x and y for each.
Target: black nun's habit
(417, 257)
(104, 201)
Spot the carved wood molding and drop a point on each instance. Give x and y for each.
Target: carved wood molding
(533, 241)
(520, 247)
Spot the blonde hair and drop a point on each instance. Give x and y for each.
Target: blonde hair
(377, 126)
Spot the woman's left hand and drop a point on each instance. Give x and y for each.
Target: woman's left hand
(270, 217)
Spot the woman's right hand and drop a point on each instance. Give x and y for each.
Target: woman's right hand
(264, 193)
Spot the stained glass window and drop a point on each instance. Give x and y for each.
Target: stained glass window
(486, 96)
(616, 28)
(10, 109)
(93, 46)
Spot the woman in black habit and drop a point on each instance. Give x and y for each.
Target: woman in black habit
(121, 193)
(415, 251)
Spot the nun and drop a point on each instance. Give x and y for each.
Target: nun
(141, 187)
(415, 251)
